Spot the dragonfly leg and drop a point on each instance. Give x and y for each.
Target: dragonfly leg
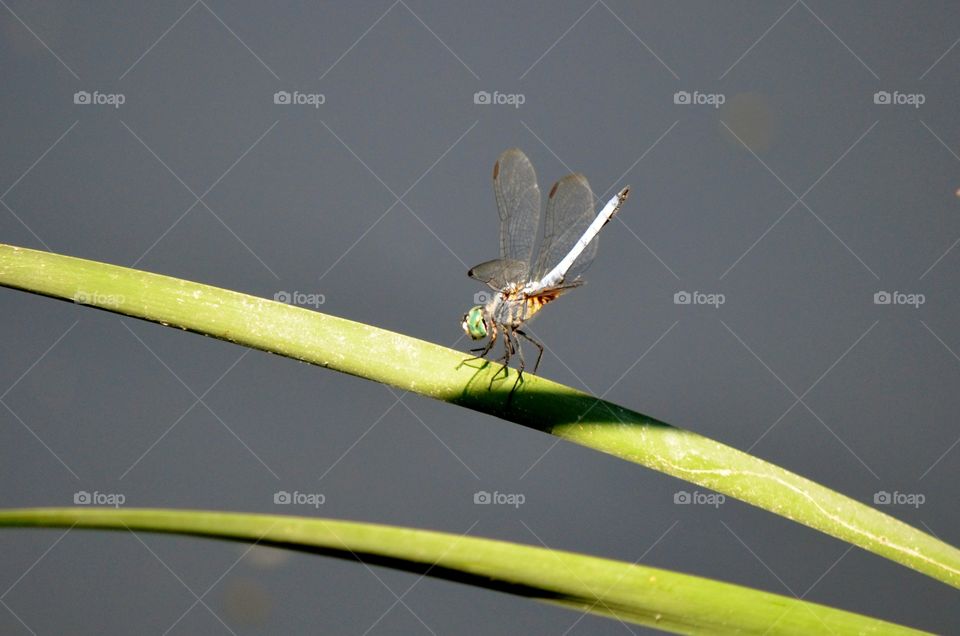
(484, 350)
(507, 352)
(505, 358)
(519, 352)
(538, 346)
(514, 344)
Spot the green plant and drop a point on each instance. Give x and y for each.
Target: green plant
(441, 373)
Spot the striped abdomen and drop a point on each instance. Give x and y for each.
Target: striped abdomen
(518, 308)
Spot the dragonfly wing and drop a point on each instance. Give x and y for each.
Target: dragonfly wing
(518, 201)
(500, 272)
(570, 211)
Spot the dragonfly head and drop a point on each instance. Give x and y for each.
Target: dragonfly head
(473, 323)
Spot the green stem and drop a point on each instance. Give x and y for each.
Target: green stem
(444, 374)
(658, 598)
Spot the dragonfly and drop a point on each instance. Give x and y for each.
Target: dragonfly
(523, 284)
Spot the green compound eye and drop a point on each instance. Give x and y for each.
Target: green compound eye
(473, 323)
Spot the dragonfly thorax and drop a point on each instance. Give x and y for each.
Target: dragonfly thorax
(507, 309)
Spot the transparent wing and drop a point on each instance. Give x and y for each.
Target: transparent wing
(518, 201)
(569, 213)
(500, 272)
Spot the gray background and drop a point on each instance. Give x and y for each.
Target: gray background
(381, 198)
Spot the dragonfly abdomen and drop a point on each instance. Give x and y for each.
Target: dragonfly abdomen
(536, 303)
